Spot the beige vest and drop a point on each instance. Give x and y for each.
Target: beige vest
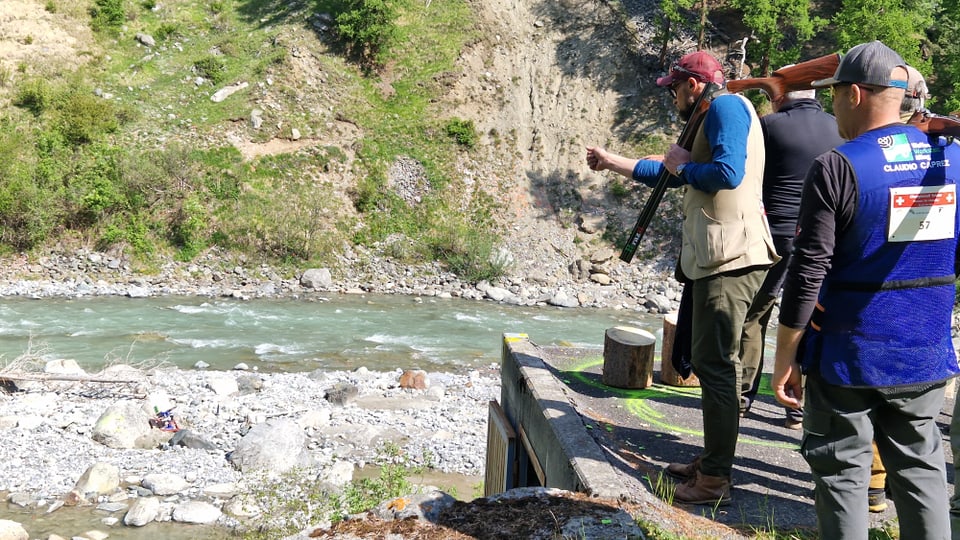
(727, 230)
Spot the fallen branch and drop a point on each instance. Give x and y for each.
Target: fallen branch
(13, 376)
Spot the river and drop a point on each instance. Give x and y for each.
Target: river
(340, 332)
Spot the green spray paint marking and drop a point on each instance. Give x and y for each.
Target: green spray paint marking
(635, 401)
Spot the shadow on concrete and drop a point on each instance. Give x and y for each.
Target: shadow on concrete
(639, 432)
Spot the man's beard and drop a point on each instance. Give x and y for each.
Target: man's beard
(685, 110)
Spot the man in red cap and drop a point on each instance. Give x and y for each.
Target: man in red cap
(725, 253)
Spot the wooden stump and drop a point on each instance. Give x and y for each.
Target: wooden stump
(668, 375)
(628, 357)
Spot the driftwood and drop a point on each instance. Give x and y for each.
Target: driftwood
(628, 357)
(24, 376)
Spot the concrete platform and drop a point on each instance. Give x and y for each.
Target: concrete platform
(588, 437)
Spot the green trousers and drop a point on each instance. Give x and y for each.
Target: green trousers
(720, 304)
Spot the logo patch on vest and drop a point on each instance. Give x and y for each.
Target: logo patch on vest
(896, 148)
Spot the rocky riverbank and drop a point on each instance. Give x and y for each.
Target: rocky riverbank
(599, 279)
(92, 443)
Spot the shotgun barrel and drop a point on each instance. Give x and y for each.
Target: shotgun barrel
(700, 107)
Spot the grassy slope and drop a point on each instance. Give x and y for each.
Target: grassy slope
(176, 178)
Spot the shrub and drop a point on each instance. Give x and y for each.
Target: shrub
(368, 27)
(468, 252)
(107, 15)
(85, 117)
(618, 189)
(211, 67)
(463, 132)
(189, 226)
(167, 30)
(35, 95)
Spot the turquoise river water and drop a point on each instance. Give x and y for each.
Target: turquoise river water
(343, 332)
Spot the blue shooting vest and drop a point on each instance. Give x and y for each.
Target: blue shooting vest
(884, 313)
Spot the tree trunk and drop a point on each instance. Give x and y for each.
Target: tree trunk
(668, 375)
(628, 357)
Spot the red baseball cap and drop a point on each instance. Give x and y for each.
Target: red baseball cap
(700, 65)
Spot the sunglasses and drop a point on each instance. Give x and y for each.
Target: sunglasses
(845, 84)
(677, 69)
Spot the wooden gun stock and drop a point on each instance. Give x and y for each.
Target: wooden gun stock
(689, 132)
(790, 78)
(935, 124)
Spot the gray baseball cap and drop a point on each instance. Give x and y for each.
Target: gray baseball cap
(867, 63)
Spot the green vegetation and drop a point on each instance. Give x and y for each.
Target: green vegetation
(128, 148)
(463, 132)
(297, 500)
(368, 28)
(925, 32)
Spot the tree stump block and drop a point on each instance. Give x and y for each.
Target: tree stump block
(668, 375)
(628, 357)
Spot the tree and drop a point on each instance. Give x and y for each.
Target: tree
(945, 79)
(781, 28)
(673, 20)
(900, 24)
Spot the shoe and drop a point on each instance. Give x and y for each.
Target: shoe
(876, 500)
(684, 471)
(745, 404)
(704, 489)
(793, 423)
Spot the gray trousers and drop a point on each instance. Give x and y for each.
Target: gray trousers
(955, 446)
(838, 425)
(720, 305)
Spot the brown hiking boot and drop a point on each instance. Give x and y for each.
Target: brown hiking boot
(684, 471)
(703, 489)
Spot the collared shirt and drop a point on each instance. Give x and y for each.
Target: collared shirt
(726, 126)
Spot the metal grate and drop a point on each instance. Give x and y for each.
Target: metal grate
(501, 464)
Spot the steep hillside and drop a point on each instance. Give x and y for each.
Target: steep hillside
(542, 81)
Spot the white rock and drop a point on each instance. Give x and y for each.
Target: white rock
(142, 511)
(198, 512)
(11, 530)
(315, 418)
(222, 384)
(164, 483)
(101, 478)
(64, 367)
(224, 490)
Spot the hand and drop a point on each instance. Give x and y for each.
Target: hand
(675, 156)
(597, 158)
(787, 386)
(786, 382)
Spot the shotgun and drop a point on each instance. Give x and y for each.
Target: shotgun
(786, 79)
(700, 107)
(790, 78)
(936, 124)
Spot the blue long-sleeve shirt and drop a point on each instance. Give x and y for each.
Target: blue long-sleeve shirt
(726, 127)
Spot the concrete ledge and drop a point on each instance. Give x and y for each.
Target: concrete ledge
(536, 403)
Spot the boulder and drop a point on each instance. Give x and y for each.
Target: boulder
(199, 512)
(100, 478)
(275, 446)
(142, 511)
(126, 424)
(11, 530)
(316, 278)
